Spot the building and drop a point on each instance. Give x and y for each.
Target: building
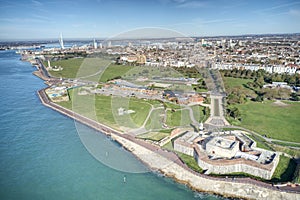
(184, 144)
(228, 152)
(221, 147)
(95, 44)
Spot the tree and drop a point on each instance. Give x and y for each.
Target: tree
(295, 97)
(259, 81)
(234, 113)
(259, 98)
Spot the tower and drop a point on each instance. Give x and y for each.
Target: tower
(201, 128)
(95, 44)
(61, 42)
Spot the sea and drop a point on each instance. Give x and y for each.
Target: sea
(42, 156)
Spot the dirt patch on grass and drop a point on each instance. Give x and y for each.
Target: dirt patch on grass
(280, 103)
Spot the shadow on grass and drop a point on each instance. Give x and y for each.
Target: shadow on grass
(288, 174)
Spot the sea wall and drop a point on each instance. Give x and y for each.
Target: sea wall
(154, 157)
(225, 188)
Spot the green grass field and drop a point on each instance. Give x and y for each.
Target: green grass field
(142, 109)
(154, 136)
(104, 109)
(292, 152)
(171, 105)
(230, 83)
(260, 142)
(234, 82)
(114, 71)
(155, 120)
(284, 171)
(80, 67)
(168, 146)
(178, 118)
(70, 67)
(278, 122)
(190, 162)
(151, 72)
(287, 144)
(199, 113)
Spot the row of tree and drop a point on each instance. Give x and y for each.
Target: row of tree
(291, 79)
(254, 89)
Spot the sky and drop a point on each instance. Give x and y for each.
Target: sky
(46, 19)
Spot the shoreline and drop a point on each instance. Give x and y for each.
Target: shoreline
(170, 164)
(160, 160)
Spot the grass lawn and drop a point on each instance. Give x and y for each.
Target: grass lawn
(134, 120)
(142, 109)
(168, 146)
(155, 120)
(113, 71)
(190, 162)
(260, 142)
(293, 152)
(199, 90)
(285, 170)
(230, 83)
(155, 136)
(151, 72)
(171, 105)
(199, 113)
(88, 68)
(70, 67)
(66, 104)
(104, 109)
(297, 179)
(178, 118)
(80, 67)
(286, 144)
(271, 120)
(234, 82)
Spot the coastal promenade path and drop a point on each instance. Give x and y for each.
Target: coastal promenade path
(267, 139)
(171, 156)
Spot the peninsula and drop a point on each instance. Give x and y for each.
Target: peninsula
(171, 113)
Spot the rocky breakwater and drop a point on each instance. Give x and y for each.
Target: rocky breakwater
(200, 183)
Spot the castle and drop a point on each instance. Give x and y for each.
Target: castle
(227, 152)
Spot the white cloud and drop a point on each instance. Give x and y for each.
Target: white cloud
(36, 3)
(278, 6)
(191, 4)
(22, 20)
(294, 12)
(179, 1)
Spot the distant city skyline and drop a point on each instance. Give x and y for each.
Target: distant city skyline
(37, 19)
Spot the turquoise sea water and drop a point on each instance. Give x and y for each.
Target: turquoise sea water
(42, 156)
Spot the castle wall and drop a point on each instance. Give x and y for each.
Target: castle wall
(237, 167)
(184, 148)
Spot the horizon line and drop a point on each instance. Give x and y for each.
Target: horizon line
(139, 38)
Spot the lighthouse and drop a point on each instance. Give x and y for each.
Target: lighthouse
(201, 128)
(95, 44)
